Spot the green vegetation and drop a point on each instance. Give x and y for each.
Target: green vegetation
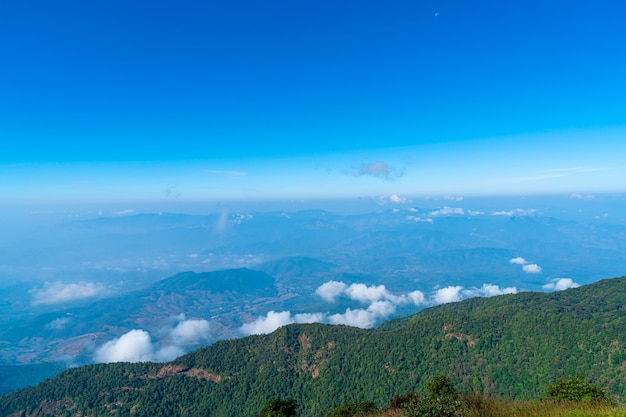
(279, 408)
(364, 408)
(507, 348)
(574, 388)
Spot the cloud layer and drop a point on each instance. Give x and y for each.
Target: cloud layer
(59, 292)
(379, 304)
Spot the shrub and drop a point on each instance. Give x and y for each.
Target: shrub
(574, 388)
(353, 410)
(279, 408)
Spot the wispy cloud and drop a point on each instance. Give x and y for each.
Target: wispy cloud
(380, 170)
(447, 211)
(515, 212)
(396, 199)
(127, 212)
(575, 170)
(227, 173)
(59, 324)
(584, 196)
(59, 292)
(173, 192)
(419, 219)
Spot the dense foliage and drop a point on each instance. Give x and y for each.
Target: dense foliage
(279, 408)
(574, 388)
(510, 346)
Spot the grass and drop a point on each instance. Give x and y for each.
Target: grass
(481, 406)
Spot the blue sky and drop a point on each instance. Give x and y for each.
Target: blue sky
(106, 101)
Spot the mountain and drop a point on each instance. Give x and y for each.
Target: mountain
(511, 346)
(70, 335)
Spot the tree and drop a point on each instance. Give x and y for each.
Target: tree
(574, 388)
(440, 387)
(279, 408)
(442, 401)
(353, 410)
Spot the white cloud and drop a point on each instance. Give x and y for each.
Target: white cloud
(417, 297)
(134, 346)
(167, 353)
(560, 284)
(447, 211)
(227, 173)
(263, 325)
(382, 305)
(531, 268)
(419, 219)
(191, 331)
(376, 169)
(518, 261)
(58, 292)
(309, 318)
(491, 290)
(449, 294)
(516, 212)
(357, 318)
(379, 170)
(273, 320)
(364, 318)
(584, 197)
(452, 198)
(330, 290)
(364, 293)
(127, 212)
(396, 199)
(58, 324)
(475, 213)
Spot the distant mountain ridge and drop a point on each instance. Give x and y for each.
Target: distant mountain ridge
(511, 346)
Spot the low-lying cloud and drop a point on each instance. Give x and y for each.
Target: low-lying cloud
(59, 292)
(560, 284)
(330, 290)
(273, 320)
(190, 331)
(516, 212)
(381, 304)
(59, 324)
(447, 211)
(134, 346)
(137, 345)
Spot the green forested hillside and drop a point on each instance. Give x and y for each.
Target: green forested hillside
(510, 346)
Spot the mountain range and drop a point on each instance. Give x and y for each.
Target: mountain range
(511, 346)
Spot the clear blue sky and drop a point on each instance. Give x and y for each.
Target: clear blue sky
(192, 100)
